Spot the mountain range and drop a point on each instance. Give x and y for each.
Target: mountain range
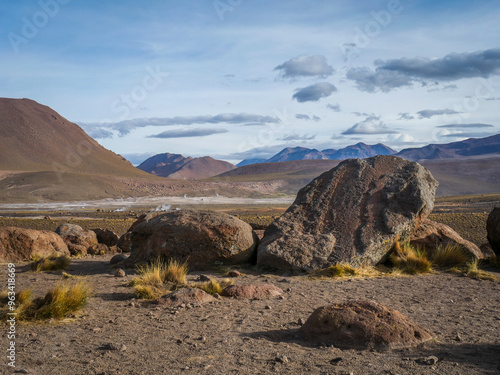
(179, 167)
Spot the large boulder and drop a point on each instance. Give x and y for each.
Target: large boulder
(431, 235)
(363, 325)
(77, 239)
(352, 213)
(125, 241)
(18, 244)
(493, 229)
(203, 238)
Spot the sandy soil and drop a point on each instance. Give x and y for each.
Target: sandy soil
(247, 337)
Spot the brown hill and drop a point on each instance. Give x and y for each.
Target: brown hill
(34, 137)
(182, 168)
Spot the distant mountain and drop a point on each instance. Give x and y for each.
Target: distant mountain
(179, 167)
(296, 153)
(472, 147)
(250, 161)
(359, 151)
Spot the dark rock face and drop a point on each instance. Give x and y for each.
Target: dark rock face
(352, 213)
(202, 238)
(430, 235)
(18, 244)
(77, 239)
(493, 229)
(363, 325)
(106, 236)
(257, 291)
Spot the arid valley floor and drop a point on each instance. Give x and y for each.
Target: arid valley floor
(118, 334)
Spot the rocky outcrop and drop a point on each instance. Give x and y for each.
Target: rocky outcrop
(125, 241)
(431, 235)
(352, 213)
(77, 239)
(106, 236)
(493, 229)
(363, 325)
(18, 244)
(202, 238)
(257, 291)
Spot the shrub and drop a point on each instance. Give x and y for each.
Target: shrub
(408, 260)
(158, 278)
(65, 299)
(449, 256)
(472, 269)
(51, 263)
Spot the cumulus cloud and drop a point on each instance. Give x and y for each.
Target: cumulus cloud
(186, 133)
(297, 137)
(465, 126)
(334, 107)
(370, 125)
(126, 126)
(305, 66)
(315, 92)
(428, 113)
(394, 73)
(405, 116)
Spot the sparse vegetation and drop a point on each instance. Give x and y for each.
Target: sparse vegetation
(51, 263)
(409, 260)
(448, 256)
(337, 270)
(158, 278)
(214, 286)
(66, 298)
(473, 270)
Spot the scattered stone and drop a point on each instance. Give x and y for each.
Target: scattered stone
(118, 258)
(431, 235)
(120, 273)
(267, 307)
(206, 238)
(493, 230)
(353, 213)
(249, 291)
(363, 325)
(458, 338)
(114, 346)
(106, 236)
(430, 361)
(301, 321)
(17, 244)
(77, 239)
(336, 361)
(182, 297)
(204, 278)
(282, 359)
(234, 274)
(47, 217)
(217, 296)
(100, 249)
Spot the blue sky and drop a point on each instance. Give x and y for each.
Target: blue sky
(235, 79)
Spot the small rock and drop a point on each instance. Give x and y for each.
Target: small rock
(336, 361)
(132, 304)
(115, 346)
(179, 341)
(301, 321)
(204, 278)
(431, 360)
(117, 258)
(281, 297)
(282, 359)
(267, 307)
(458, 338)
(234, 274)
(217, 295)
(120, 273)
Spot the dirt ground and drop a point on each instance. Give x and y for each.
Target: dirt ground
(249, 336)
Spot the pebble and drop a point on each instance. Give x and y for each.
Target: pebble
(120, 273)
(301, 321)
(267, 307)
(282, 359)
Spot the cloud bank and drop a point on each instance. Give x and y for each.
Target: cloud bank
(186, 133)
(305, 66)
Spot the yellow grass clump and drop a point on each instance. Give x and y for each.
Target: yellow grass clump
(158, 278)
(51, 263)
(65, 299)
(409, 260)
(449, 256)
(214, 286)
(472, 269)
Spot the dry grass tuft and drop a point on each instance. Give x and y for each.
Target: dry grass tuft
(51, 263)
(65, 299)
(472, 270)
(337, 270)
(214, 286)
(158, 278)
(449, 256)
(408, 260)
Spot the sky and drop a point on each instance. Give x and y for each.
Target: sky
(238, 79)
